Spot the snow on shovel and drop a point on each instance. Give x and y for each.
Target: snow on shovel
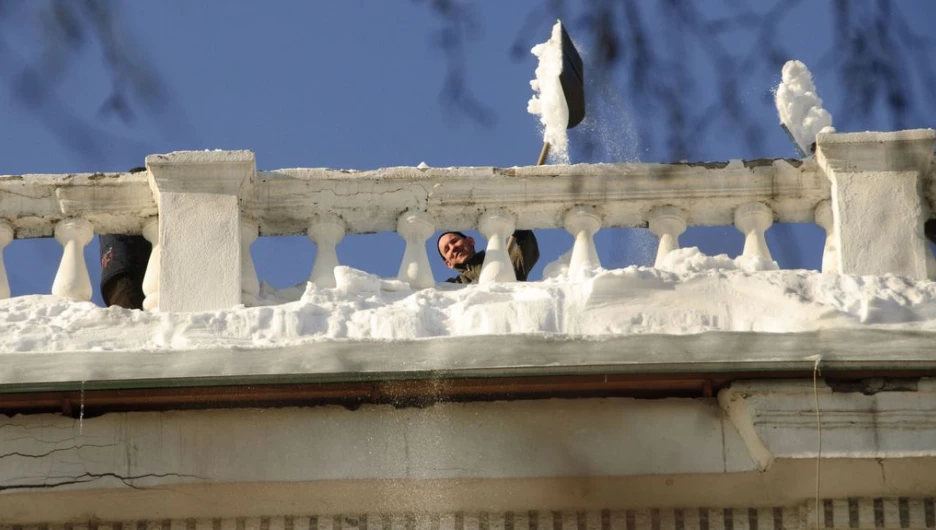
(559, 87)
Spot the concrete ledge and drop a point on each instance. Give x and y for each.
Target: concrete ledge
(846, 350)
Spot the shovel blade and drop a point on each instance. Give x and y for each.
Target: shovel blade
(572, 79)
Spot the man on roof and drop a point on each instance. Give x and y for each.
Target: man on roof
(458, 252)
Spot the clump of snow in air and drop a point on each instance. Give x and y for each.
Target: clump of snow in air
(799, 106)
(548, 101)
(690, 293)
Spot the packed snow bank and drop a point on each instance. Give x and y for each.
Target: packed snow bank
(799, 106)
(690, 293)
(549, 101)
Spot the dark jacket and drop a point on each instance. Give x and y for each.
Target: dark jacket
(522, 249)
(123, 264)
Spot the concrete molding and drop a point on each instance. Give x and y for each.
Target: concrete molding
(909, 150)
(446, 441)
(779, 420)
(223, 172)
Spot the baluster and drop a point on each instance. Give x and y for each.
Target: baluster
(6, 235)
(72, 280)
(250, 285)
(823, 215)
(582, 223)
(496, 225)
(752, 220)
(151, 277)
(326, 232)
(930, 261)
(667, 223)
(415, 227)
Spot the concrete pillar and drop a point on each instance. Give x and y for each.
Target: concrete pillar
(199, 226)
(72, 280)
(6, 235)
(582, 222)
(823, 216)
(753, 219)
(151, 277)
(667, 223)
(496, 225)
(250, 284)
(326, 231)
(878, 206)
(415, 227)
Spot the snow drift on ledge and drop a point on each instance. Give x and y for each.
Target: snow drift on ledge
(690, 293)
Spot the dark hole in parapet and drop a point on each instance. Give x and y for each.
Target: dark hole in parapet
(763, 162)
(929, 230)
(758, 162)
(873, 385)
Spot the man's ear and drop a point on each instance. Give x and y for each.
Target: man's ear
(470, 240)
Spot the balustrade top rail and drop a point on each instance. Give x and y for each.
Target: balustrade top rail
(284, 201)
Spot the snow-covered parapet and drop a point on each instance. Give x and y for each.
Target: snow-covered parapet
(800, 108)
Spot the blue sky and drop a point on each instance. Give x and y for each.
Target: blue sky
(357, 85)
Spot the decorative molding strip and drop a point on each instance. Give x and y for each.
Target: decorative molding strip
(778, 419)
(706, 518)
(835, 514)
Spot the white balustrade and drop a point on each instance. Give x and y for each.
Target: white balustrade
(250, 230)
(667, 223)
(582, 222)
(6, 236)
(151, 277)
(72, 280)
(752, 220)
(496, 225)
(201, 257)
(829, 253)
(415, 227)
(326, 231)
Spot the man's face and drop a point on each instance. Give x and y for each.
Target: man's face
(456, 249)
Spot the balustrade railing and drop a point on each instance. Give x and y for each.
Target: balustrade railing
(201, 211)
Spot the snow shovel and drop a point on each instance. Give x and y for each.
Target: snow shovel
(572, 79)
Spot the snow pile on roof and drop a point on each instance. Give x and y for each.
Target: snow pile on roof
(800, 107)
(549, 101)
(690, 293)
